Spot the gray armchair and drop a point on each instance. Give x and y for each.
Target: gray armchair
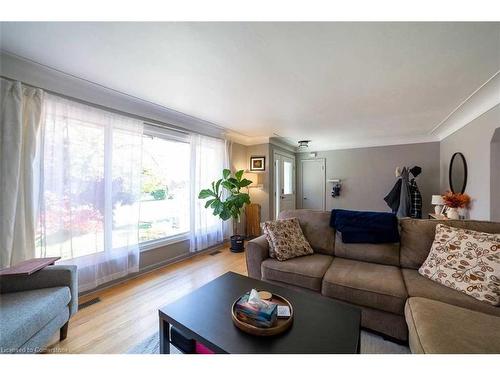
(33, 308)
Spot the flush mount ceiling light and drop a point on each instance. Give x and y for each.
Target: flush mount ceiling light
(303, 145)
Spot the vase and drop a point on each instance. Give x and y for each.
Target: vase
(452, 213)
(438, 209)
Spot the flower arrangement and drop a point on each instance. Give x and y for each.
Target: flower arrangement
(456, 200)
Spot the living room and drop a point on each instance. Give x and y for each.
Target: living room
(281, 187)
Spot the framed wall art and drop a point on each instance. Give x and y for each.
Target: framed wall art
(257, 163)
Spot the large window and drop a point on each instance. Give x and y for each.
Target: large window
(110, 185)
(72, 204)
(78, 175)
(287, 177)
(165, 187)
(90, 178)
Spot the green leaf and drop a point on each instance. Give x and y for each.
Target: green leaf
(232, 198)
(244, 183)
(245, 198)
(235, 212)
(225, 215)
(228, 185)
(239, 174)
(217, 186)
(218, 207)
(241, 202)
(226, 173)
(205, 193)
(209, 202)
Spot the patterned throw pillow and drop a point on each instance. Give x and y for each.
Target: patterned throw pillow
(271, 247)
(467, 261)
(286, 240)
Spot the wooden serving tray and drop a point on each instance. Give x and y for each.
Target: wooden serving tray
(28, 267)
(281, 325)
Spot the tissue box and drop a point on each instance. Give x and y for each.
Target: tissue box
(257, 313)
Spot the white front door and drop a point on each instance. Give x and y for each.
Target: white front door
(284, 174)
(313, 184)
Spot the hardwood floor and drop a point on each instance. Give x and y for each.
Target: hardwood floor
(128, 312)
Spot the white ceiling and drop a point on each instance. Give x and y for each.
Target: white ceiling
(337, 84)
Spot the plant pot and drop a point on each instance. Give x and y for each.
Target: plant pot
(237, 243)
(452, 213)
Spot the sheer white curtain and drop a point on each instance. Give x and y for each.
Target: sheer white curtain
(20, 116)
(90, 182)
(208, 158)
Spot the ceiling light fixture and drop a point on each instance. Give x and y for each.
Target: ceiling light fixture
(303, 145)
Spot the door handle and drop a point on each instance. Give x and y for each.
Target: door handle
(305, 197)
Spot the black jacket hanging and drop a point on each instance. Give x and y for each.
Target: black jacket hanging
(392, 199)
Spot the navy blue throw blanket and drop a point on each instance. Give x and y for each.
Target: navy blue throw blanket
(365, 227)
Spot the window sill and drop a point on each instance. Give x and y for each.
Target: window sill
(155, 244)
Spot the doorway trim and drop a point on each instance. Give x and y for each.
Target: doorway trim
(273, 177)
(323, 175)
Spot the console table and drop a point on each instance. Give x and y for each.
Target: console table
(438, 217)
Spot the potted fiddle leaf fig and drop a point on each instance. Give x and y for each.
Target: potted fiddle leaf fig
(227, 200)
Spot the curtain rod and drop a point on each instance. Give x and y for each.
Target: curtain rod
(146, 120)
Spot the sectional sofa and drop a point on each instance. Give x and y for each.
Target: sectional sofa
(33, 308)
(383, 280)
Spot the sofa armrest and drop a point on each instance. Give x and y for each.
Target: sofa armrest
(257, 252)
(49, 277)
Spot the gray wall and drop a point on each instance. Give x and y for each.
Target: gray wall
(238, 162)
(367, 174)
(474, 141)
(240, 159)
(261, 196)
(153, 258)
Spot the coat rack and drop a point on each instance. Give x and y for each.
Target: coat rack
(336, 187)
(405, 199)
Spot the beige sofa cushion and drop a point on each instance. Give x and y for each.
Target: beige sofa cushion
(467, 261)
(316, 227)
(366, 284)
(417, 236)
(419, 286)
(440, 328)
(306, 272)
(257, 251)
(384, 253)
(286, 240)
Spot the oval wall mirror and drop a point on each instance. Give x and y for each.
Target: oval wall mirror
(458, 173)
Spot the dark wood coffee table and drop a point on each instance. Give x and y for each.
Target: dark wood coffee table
(321, 325)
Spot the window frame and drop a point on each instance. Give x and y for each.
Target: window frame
(165, 241)
(159, 131)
